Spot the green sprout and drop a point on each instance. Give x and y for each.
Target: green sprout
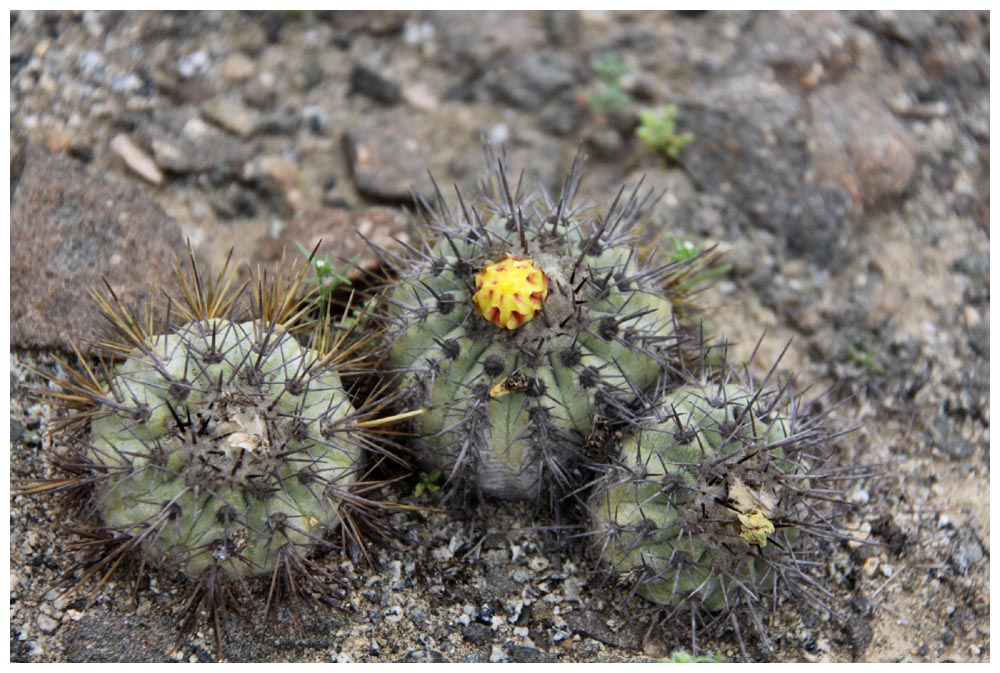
(325, 273)
(609, 69)
(658, 130)
(427, 484)
(866, 359)
(682, 657)
(685, 250)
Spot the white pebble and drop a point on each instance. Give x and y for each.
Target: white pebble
(136, 159)
(194, 64)
(47, 623)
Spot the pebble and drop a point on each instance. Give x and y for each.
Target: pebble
(16, 430)
(126, 83)
(393, 615)
(47, 623)
(194, 64)
(442, 554)
(522, 654)
(522, 576)
(478, 634)
(858, 532)
(971, 315)
(417, 33)
(385, 165)
(136, 159)
(230, 113)
(56, 138)
(979, 339)
(870, 566)
(91, 65)
(420, 96)
(280, 122)
(967, 553)
(41, 47)
(859, 144)
(369, 81)
(532, 79)
(238, 67)
(498, 134)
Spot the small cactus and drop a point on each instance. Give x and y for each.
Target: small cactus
(716, 501)
(220, 447)
(518, 327)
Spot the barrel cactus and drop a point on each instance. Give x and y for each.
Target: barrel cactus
(219, 447)
(520, 325)
(716, 499)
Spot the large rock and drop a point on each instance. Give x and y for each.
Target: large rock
(341, 233)
(69, 231)
(479, 39)
(859, 146)
(804, 48)
(751, 147)
(392, 152)
(386, 164)
(529, 81)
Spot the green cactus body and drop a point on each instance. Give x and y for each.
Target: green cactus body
(223, 447)
(512, 388)
(701, 501)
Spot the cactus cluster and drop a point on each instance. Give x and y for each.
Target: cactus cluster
(520, 326)
(534, 356)
(555, 366)
(220, 447)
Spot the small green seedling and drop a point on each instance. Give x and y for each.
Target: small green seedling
(658, 130)
(682, 657)
(428, 483)
(866, 359)
(685, 250)
(609, 69)
(325, 273)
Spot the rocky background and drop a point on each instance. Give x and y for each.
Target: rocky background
(841, 160)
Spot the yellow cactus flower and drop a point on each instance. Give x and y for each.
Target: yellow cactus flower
(510, 292)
